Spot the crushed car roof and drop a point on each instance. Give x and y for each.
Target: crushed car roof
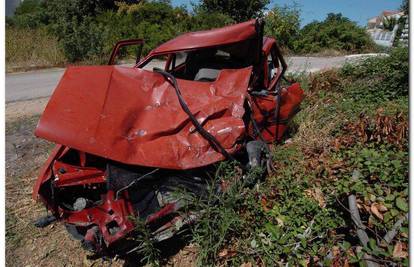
(221, 36)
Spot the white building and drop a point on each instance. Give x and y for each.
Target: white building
(379, 34)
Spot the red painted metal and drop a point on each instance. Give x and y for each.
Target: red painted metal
(112, 210)
(123, 43)
(265, 108)
(45, 172)
(133, 116)
(202, 39)
(69, 175)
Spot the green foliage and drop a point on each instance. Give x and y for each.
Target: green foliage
(401, 25)
(376, 79)
(73, 22)
(147, 247)
(384, 165)
(335, 32)
(156, 22)
(218, 220)
(28, 6)
(298, 225)
(239, 10)
(204, 20)
(383, 181)
(274, 222)
(29, 14)
(87, 30)
(283, 23)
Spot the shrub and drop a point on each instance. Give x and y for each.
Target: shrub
(155, 22)
(283, 23)
(92, 31)
(87, 30)
(73, 22)
(202, 20)
(335, 32)
(239, 10)
(379, 78)
(30, 13)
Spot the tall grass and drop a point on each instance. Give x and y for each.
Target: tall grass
(28, 48)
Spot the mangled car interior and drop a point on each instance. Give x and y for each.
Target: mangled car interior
(128, 137)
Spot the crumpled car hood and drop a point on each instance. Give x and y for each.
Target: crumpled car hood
(133, 116)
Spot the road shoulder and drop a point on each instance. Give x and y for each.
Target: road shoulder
(21, 109)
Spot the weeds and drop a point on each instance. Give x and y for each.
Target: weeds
(218, 220)
(27, 48)
(378, 79)
(147, 248)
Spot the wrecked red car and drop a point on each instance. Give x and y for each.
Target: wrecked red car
(126, 138)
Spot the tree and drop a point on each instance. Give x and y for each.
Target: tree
(30, 13)
(283, 23)
(405, 7)
(239, 10)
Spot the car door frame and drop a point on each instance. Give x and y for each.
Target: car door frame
(271, 48)
(123, 43)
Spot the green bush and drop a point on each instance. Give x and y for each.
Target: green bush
(238, 10)
(29, 14)
(335, 32)
(155, 22)
(74, 23)
(379, 78)
(202, 20)
(87, 30)
(283, 23)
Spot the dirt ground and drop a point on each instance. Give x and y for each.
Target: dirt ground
(27, 245)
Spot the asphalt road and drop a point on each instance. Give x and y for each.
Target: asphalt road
(38, 84)
(31, 85)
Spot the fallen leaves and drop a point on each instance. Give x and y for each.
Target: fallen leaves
(316, 194)
(377, 210)
(263, 201)
(325, 81)
(400, 250)
(226, 253)
(382, 129)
